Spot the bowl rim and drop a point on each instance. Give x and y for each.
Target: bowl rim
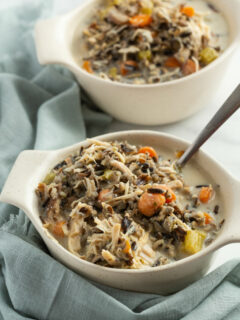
(233, 43)
(218, 242)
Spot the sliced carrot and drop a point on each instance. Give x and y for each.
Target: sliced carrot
(179, 153)
(205, 194)
(149, 203)
(150, 151)
(104, 195)
(141, 20)
(127, 246)
(208, 218)
(188, 11)
(87, 66)
(57, 229)
(125, 67)
(41, 187)
(169, 195)
(141, 160)
(172, 62)
(189, 67)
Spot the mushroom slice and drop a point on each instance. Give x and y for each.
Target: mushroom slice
(117, 17)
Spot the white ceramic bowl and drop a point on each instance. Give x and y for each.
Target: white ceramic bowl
(32, 166)
(149, 104)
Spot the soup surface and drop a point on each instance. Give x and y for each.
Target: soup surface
(125, 206)
(150, 41)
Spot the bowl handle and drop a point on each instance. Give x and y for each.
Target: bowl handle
(20, 180)
(50, 41)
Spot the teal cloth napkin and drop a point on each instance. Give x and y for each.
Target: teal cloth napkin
(44, 108)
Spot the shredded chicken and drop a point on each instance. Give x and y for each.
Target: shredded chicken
(119, 206)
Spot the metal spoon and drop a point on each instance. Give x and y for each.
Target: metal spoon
(228, 108)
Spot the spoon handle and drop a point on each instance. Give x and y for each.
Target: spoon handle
(228, 108)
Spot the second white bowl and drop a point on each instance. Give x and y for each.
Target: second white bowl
(149, 104)
(32, 166)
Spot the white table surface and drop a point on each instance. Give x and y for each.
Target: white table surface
(224, 145)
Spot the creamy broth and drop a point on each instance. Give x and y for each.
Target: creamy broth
(195, 176)
(126, 206)
(145, 62)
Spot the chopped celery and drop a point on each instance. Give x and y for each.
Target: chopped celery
(208, 54)
(146, 7)
(146, 10)
(193, 241)
(142, 55)
(103, 13)
(49, 177)
(112, 3)
(107, 174)
(112, 72)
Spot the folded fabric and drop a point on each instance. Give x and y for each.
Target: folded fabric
(43, 108)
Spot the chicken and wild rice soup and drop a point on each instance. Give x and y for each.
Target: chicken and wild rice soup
(150, 41)
(125, 206)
